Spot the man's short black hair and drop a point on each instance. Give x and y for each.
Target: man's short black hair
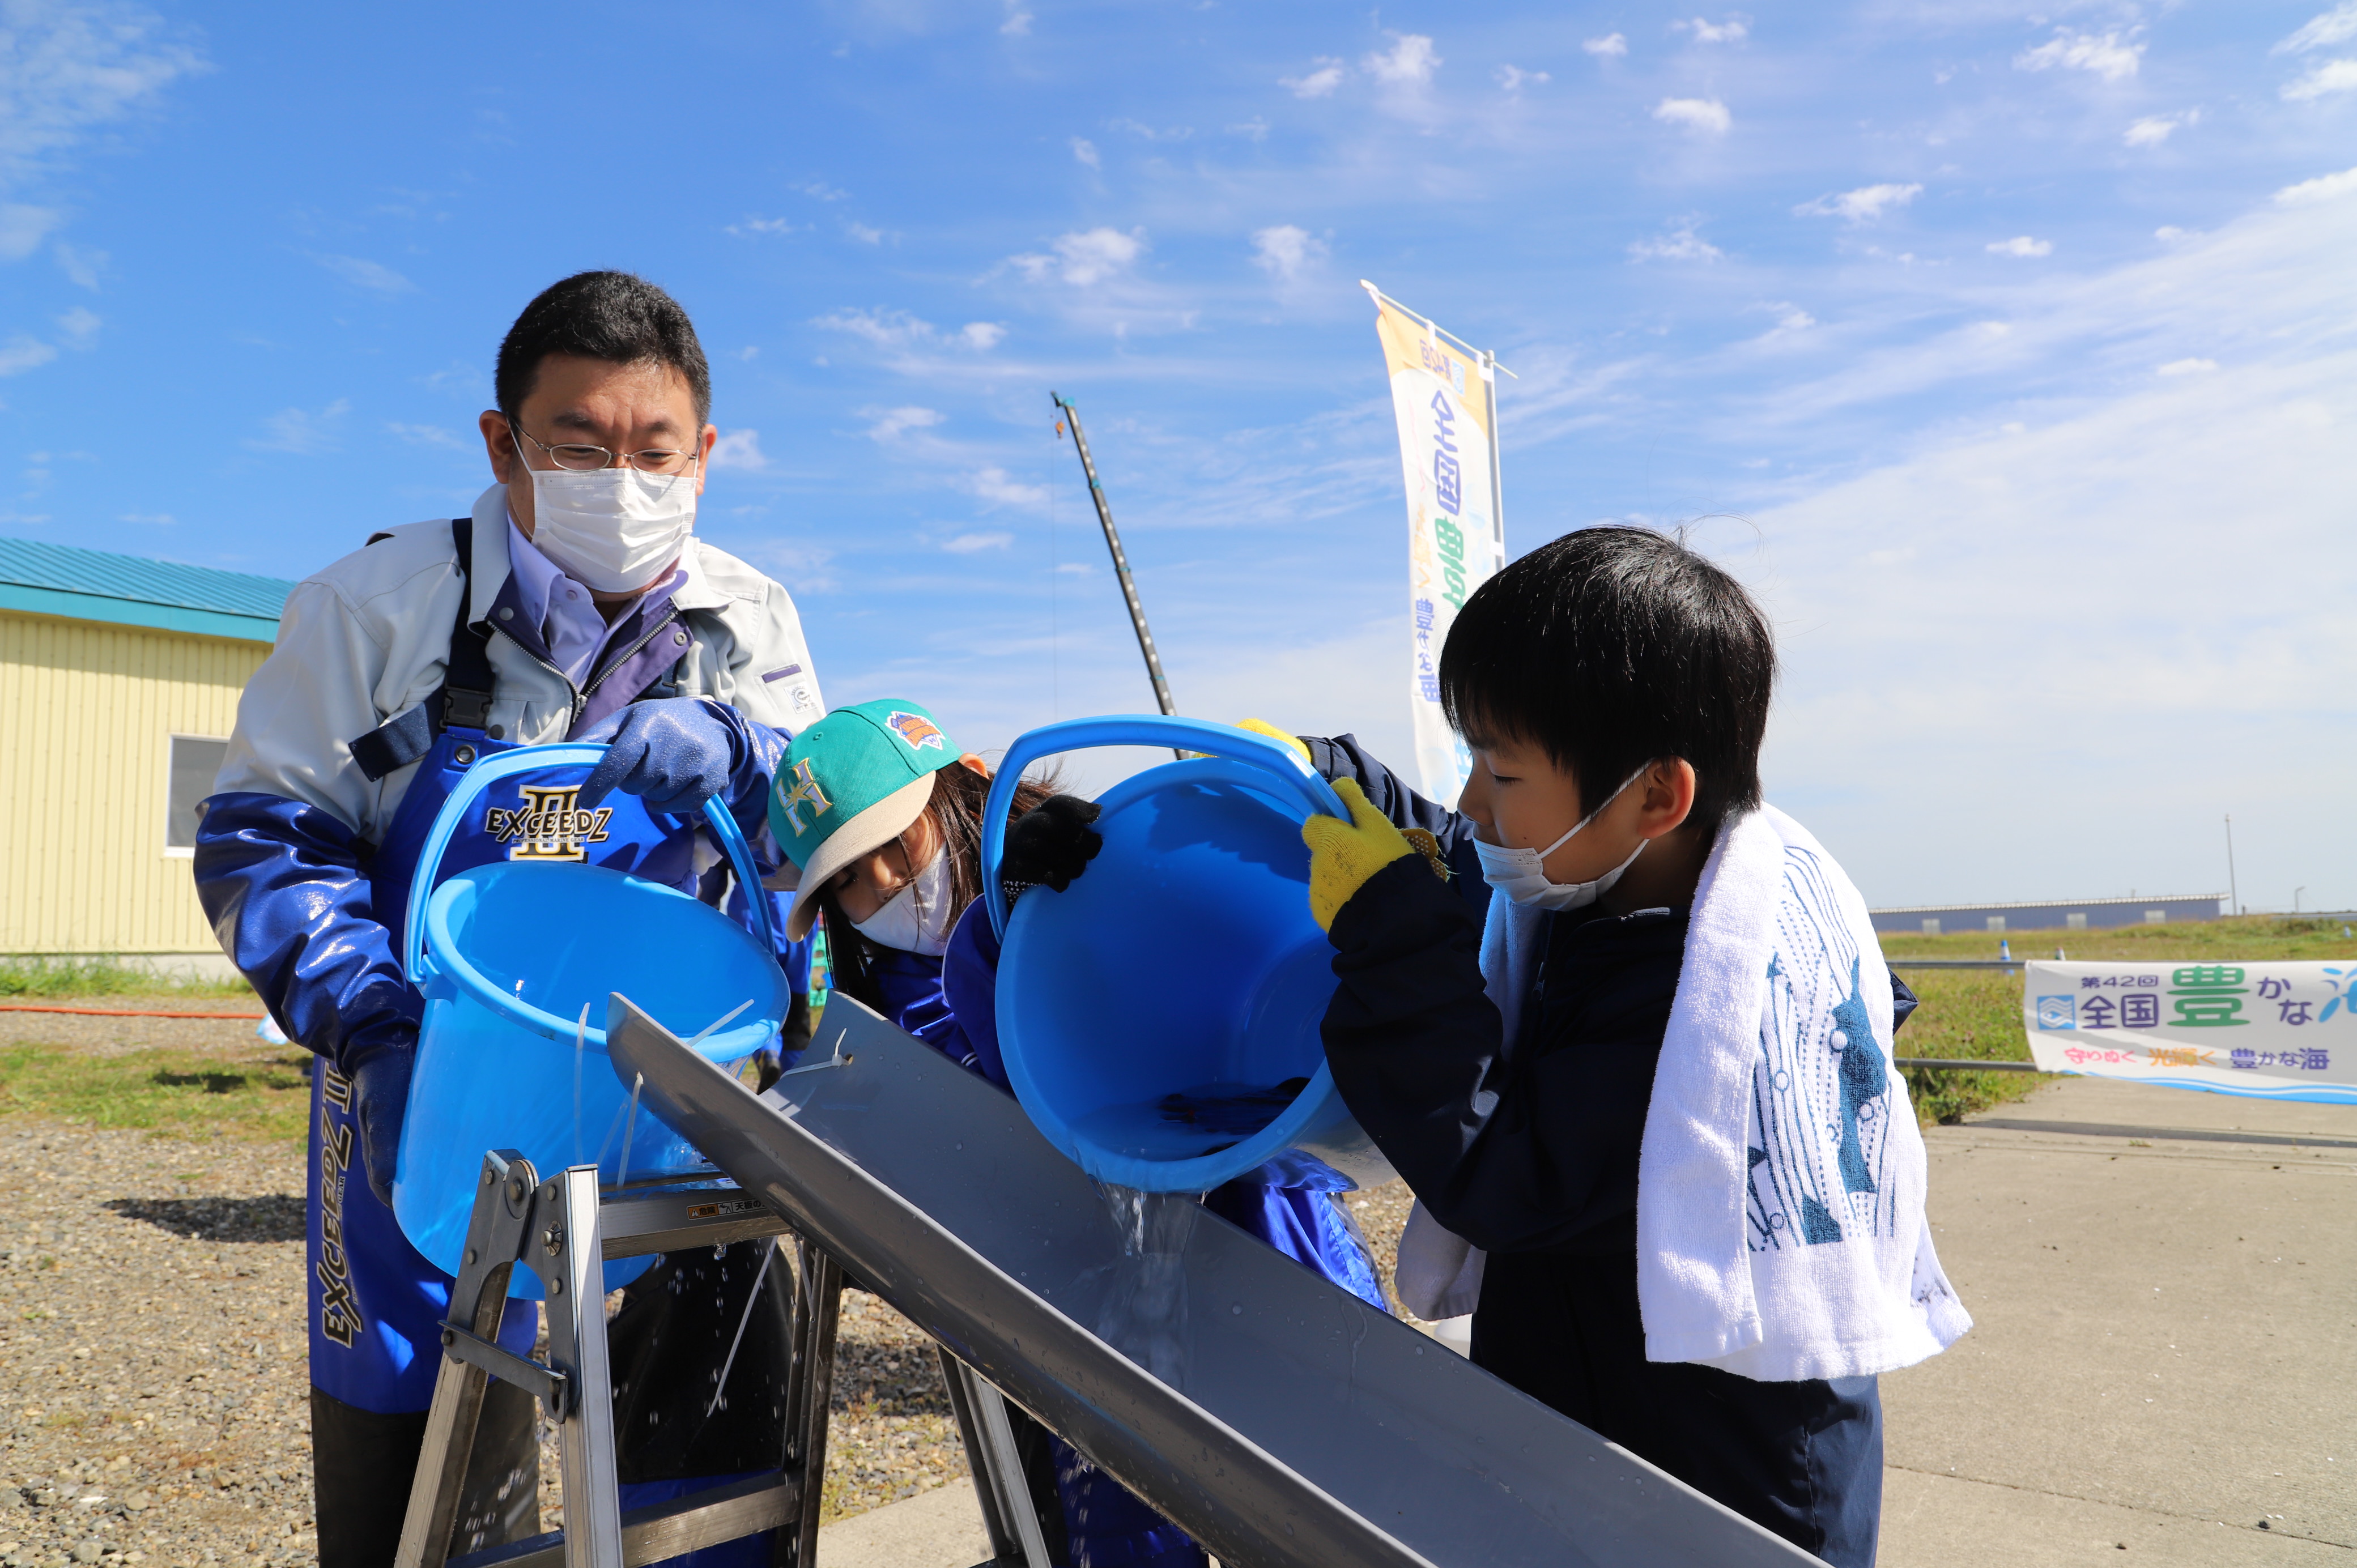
(1611, 648)
(602, 315)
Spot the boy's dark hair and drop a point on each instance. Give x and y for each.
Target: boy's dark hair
(1611, 648)
(601, 315)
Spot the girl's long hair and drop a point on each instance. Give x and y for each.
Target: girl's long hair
(959, 796)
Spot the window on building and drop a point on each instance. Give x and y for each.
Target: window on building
(1931, 927)
(195, 759)
(2076, 920)
(1996, 922)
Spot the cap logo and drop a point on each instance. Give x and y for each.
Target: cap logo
(806, 791)
(916, 731)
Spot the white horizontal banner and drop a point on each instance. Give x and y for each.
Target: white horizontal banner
(2278, 1031)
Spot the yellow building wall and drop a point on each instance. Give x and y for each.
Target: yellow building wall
(87, 714)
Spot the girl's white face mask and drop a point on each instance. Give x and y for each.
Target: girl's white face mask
(611, 529)
(916, 919)
(1521, 875)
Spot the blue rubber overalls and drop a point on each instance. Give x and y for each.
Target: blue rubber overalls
(377, 1303)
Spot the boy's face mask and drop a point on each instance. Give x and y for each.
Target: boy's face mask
(1520, 874)
(916, 919)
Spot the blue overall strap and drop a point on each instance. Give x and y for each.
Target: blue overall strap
(464, 698)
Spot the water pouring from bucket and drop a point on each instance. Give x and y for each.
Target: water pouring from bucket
(515, 959)
(1159, 1018)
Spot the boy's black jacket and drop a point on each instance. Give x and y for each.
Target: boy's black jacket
(1514, 1150)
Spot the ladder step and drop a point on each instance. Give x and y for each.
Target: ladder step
(666, 1529)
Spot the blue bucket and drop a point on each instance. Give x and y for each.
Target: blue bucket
(506, 955)
(1154, 1016)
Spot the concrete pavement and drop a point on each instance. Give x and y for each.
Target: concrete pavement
(2164, 1361)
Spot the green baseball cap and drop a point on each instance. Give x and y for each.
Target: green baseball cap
(849, 785)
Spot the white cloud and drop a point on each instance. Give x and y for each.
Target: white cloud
(1283, 252)
(864, 234)
(760, 226)
(21, 353)
(1018, 21)
(2154, 129)
(2334, 27)
(362, 274)
(819, 190)
(1083, 257)
(68, 69)
(301, 431)
(2169, 233)
(997, 489)
(1611, 46)
(79, 325)
(2331, 76)
(1409, 62)
(1145, 132)
(1085, 151)
(2112, 56)
(891, 423)
(1704, 114)
(1512, 77)
(79, 265)
(983, 336)
(1734, 30)
(1256, 129)
(1864, 205)
(432, 435)
(2324, 188)
(739, 449)
(2187, 368)
(885, 329)
(1324, 75)
(23, 227)
(2020, 245)
(160, 518)
(967, 544)
(1680, 244)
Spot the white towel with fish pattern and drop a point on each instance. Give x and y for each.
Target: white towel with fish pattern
(1781, 1232)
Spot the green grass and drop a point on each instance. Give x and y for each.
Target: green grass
(1975, 1014)
(60, 978)
(262, 1094)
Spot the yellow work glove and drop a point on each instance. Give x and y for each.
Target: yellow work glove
(1262, 728)
(1344, 855)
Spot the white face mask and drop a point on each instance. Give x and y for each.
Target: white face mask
(916, 919)
(1520, 875)
(611, 529)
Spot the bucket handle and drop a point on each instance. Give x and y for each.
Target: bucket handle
(525, 760)
(1281, 762)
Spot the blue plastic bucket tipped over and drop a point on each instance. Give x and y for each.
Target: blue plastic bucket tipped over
(1159, 1018)
(508, 955)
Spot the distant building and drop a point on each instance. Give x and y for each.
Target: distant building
(2086, 915)
(119, 681)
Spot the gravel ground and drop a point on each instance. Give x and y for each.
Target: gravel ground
(119, 1036)
(153, 1393)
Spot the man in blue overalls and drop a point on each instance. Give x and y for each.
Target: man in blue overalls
(574, 603)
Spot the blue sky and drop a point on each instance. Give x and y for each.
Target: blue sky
(2006, 353)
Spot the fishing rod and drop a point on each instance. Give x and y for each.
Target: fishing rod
(1120, 560)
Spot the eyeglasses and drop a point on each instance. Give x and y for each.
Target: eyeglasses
(580, 457)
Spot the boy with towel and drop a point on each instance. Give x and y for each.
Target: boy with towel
(1653, 1086)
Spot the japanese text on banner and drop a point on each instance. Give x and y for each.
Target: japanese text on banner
(2282, 1031)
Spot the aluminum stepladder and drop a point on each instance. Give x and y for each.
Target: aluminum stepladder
(563, 1228)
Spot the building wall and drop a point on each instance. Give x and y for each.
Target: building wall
(2097, 914)
(87, 714)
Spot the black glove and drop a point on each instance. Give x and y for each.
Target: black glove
(1052, 845)
(380, 1099)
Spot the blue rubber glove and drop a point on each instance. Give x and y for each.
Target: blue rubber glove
(380, 1099)
(674, 753)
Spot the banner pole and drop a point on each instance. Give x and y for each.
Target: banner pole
(1120, 559)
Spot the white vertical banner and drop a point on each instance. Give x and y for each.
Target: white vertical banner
(1445, 394)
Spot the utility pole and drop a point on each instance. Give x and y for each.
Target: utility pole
(2234, 897)
(1120, 560)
